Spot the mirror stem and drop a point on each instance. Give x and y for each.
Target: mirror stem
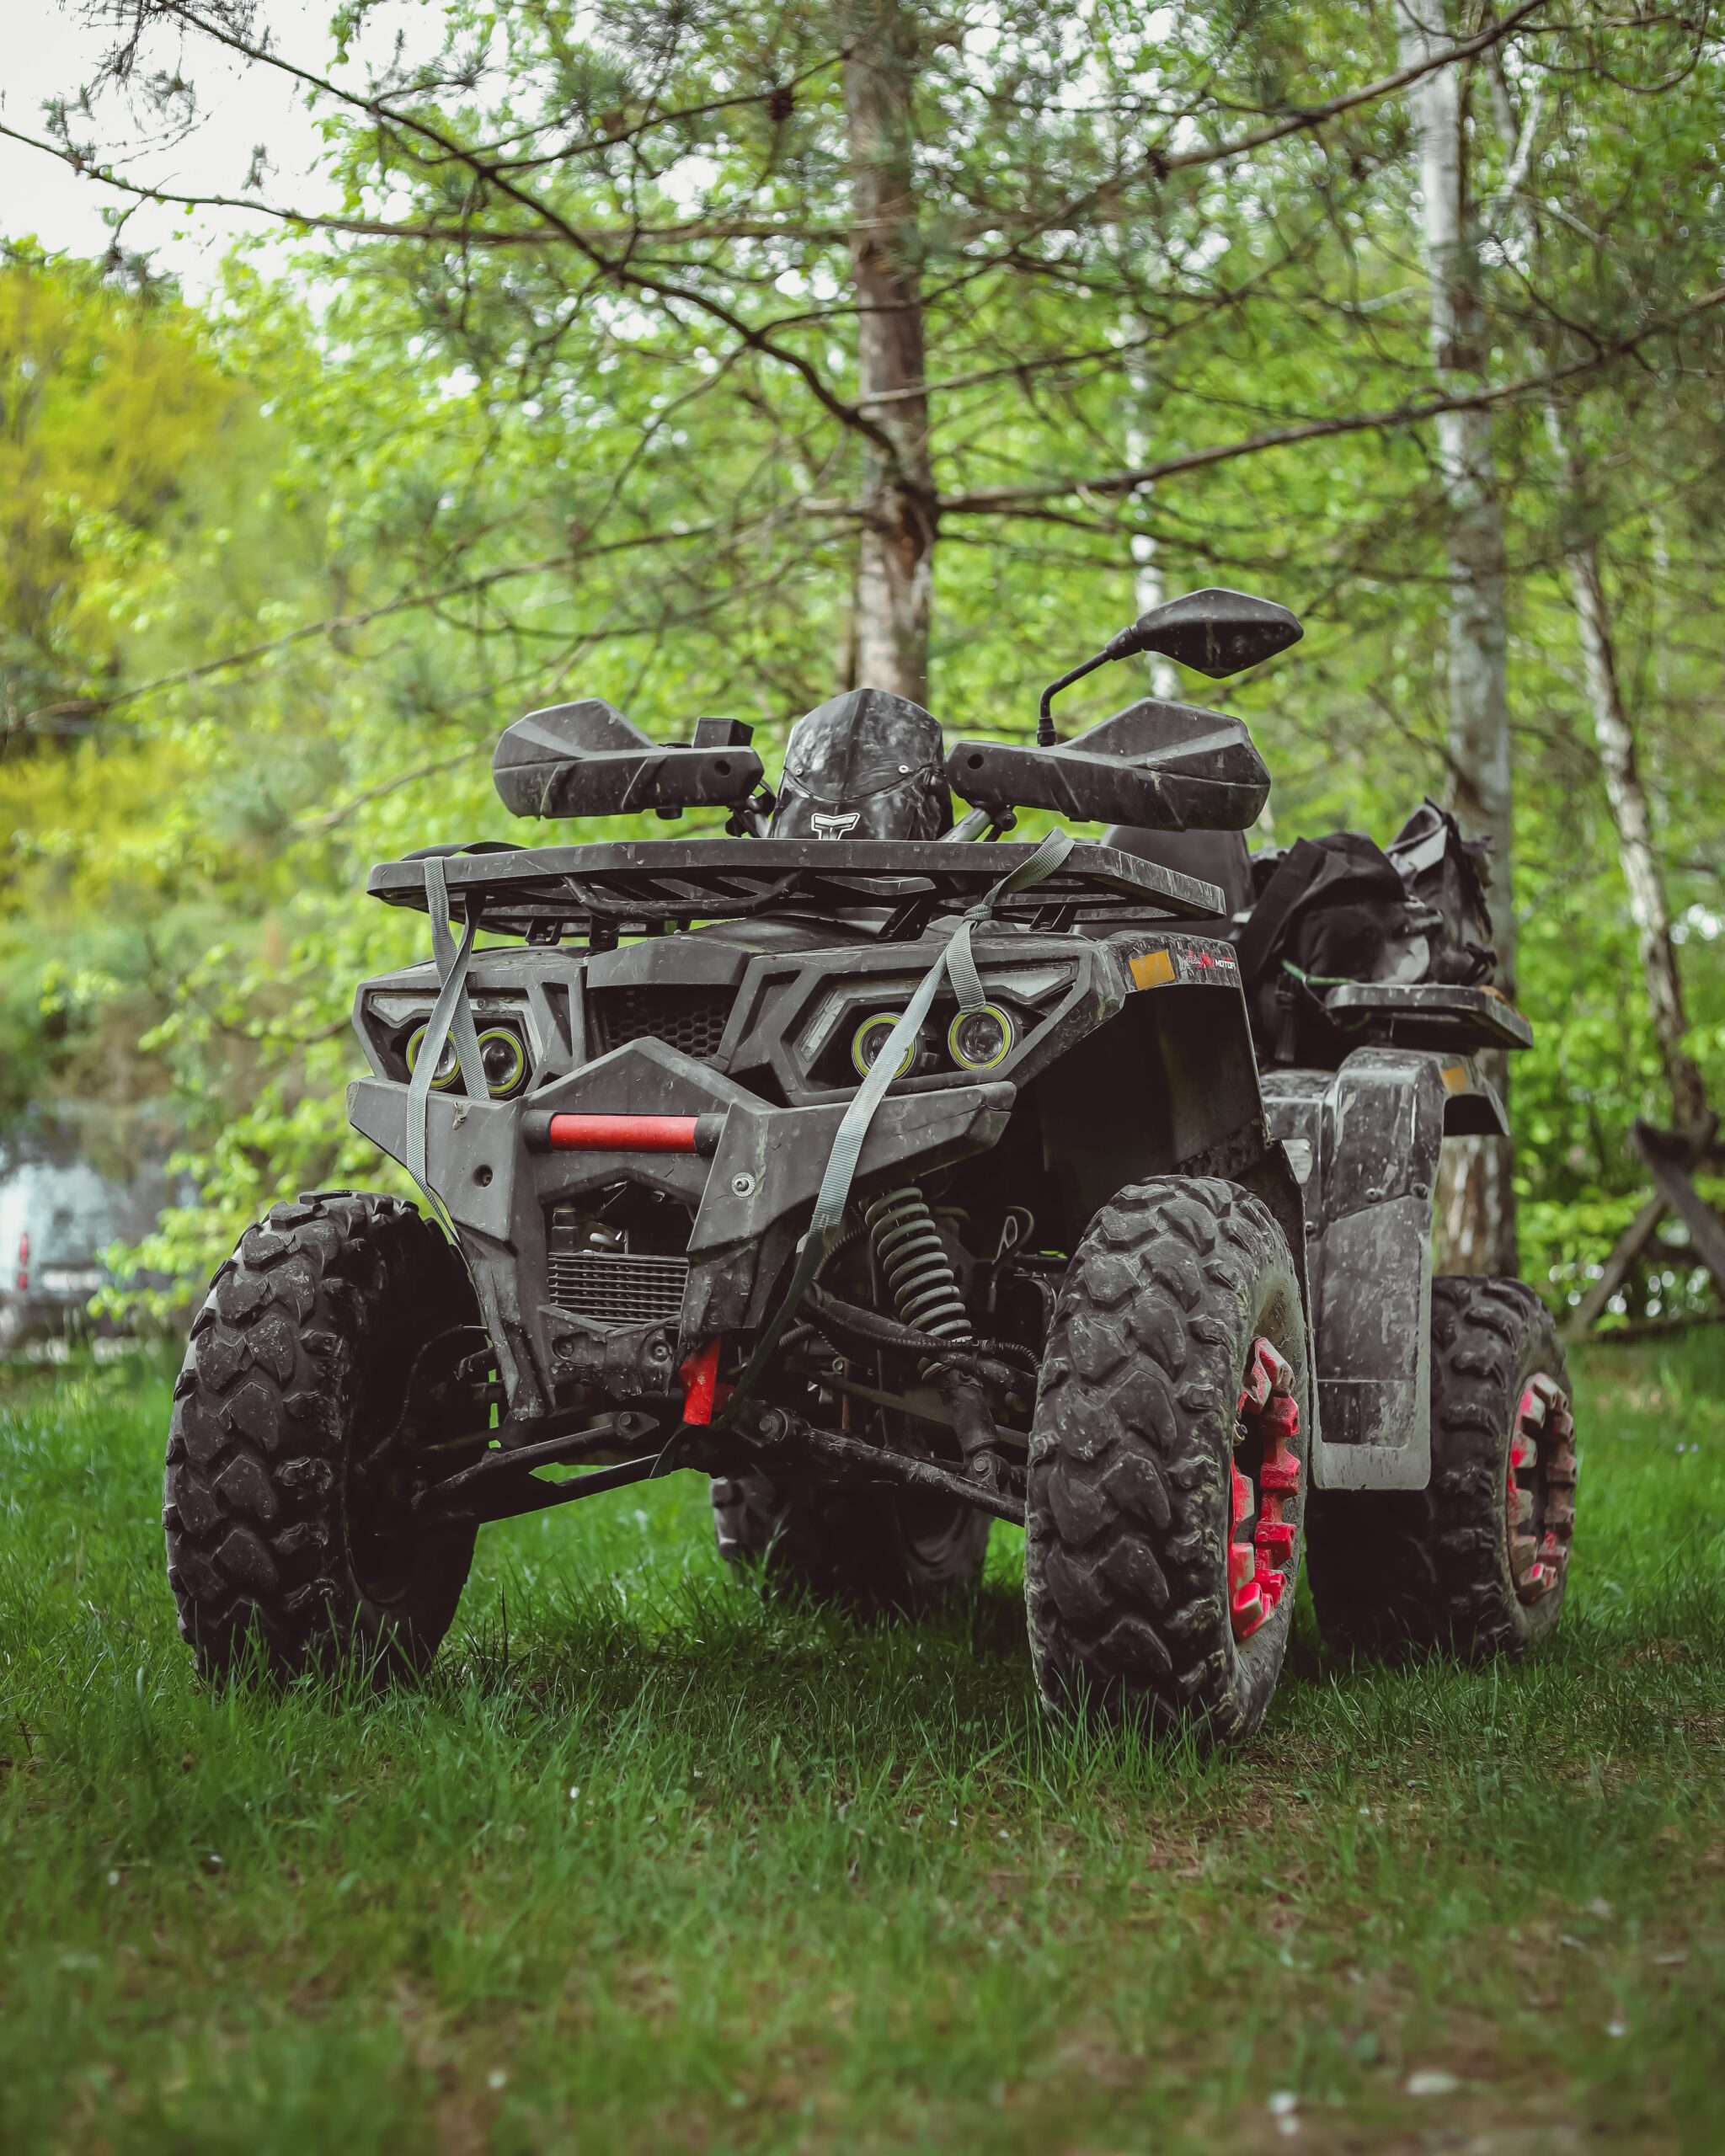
(1045, 736)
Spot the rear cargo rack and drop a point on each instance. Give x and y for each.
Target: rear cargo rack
(1429, 1014)
(645, 887)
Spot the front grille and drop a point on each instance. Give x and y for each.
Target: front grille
(614, 1289)
(689, 1019)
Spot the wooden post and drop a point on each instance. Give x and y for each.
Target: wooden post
(1677, 1153)
(1667, 1156)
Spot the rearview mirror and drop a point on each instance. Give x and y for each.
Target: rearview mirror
(1216, 632)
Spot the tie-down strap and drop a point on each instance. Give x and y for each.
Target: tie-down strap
(452, 1018)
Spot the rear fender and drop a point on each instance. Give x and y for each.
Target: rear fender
(1365, 1142)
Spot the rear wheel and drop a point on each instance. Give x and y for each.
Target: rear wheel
(1476, 1563)
(1167, 1464)
(317, 1374)
(853, 1546)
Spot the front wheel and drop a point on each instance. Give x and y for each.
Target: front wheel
(319, 1372)
(1167, 1465)
(1475, 1564)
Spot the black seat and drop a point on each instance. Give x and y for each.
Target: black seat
(1217, 857)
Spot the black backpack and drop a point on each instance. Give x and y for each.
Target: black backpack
(1341, 909)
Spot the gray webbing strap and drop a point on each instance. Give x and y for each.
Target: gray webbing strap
(451, 1013)
(961, 969)
(452, 1017)
(453, 963)
(957, 962)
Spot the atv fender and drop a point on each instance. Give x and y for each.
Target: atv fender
(1161, 1081)
(1167, 1084)
(1364, 1141)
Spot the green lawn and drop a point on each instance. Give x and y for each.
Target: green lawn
(648, 1866)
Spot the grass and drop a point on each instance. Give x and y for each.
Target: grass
(648, 1866)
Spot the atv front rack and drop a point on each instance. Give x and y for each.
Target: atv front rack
(646, 887)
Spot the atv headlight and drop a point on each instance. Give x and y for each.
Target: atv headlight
(977, 1040)
(504, 1061)
(449, 1067)
(871, 1037)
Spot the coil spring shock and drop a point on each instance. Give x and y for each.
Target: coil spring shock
(919, 1273)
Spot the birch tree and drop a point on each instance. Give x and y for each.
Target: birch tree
(1477, 1196)
(1614, 732)
(1626, 791)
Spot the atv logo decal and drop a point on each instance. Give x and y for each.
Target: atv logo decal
(835, 827)
(1211, 963)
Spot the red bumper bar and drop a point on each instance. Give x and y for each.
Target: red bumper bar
(547, 1132)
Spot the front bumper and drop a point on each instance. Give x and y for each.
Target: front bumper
(749, 1201)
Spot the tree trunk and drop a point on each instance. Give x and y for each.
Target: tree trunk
(1476, 1194)
(1148, 588)
(1627, 796)
(896, 561)
(1149, 585)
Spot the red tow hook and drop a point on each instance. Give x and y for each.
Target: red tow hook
(701, 1391)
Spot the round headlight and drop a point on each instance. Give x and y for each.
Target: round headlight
(503, 1060)
(872, 1036)
(448, 1064)
(977, 1040)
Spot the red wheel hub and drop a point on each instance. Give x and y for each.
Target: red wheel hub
(1261, 1567)
(1539, 1499)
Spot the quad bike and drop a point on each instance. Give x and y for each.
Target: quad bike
(897, 1176)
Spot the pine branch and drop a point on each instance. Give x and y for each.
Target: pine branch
(1018, 500)
(334, 625)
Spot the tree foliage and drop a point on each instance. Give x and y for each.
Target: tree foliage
(564, 394)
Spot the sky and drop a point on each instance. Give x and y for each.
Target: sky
(52, 49)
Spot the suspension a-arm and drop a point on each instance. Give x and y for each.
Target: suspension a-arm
(505, 1485)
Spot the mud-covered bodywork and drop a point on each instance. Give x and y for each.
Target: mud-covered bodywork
(1364, 1141)
(608, 1270)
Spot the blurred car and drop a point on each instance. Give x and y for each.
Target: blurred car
(57, 1217)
